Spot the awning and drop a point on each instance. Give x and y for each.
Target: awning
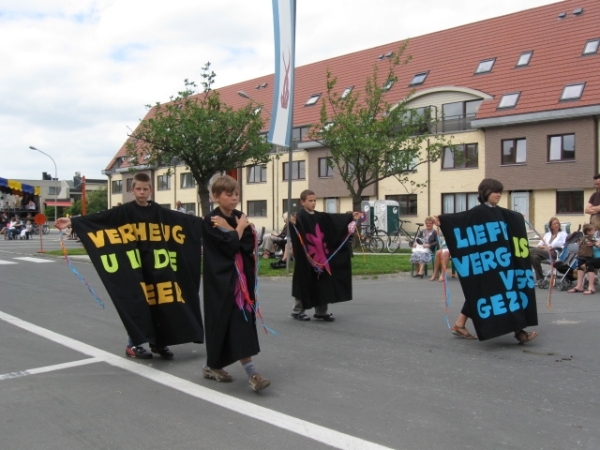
(50, 202)
(17, 188)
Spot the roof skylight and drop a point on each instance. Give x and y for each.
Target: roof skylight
(591, 47)
(346, 92)
(524, 59)
(509, 100)
(485, 65)
(572, 91)
(312, 100)
(419, 78)
(388, 85)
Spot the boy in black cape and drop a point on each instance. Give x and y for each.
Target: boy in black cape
(229, 287)
(320, 234)
(490, 252)
(149, 260)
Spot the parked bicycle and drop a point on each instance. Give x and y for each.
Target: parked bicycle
(45, 228)
(395, 237)
(370, 237)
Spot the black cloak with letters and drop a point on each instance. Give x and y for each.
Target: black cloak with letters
(149, 260)
(322, 234)
(490, 252)
(230, 332)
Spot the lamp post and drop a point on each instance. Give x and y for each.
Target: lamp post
(55, 180)
(247, 97)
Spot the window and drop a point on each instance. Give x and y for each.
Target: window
(54, 190)
(454, 203)
(388, 85)
(485, 66)
(163, 182)
(298, 171)
(257, 174)
(514, 151)
(346, 92)
(457, 116)
(460, 157)
(129, 184)
(509, 100)
(296, 205)
(117, 186)
(561, 148)
(524, 59)
(257, 208)
(324, 170)
(312, 100)
(298, 135)
(186, 181)
(189, 207)
(408, 204)
(572, 91)
(419, 78)
(591, 47)
(331, 205)
(569, 202)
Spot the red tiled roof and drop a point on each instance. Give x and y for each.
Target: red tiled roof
(451, 58)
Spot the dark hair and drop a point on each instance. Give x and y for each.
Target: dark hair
(305, 193)
(142, 178)
(597, 177)
(587, 227)
(488, 186)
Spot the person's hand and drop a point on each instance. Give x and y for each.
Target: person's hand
(219, 221)
(293, 219)
(436, 221)
(62, 223)
(356, 215)
(242, 222)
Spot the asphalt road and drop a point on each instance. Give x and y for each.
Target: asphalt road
(386, 374)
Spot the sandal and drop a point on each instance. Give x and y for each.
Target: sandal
(574, 290)
(589, 292)
(462, 332)
(300, 316)
(523, 336)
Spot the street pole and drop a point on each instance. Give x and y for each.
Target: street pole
(55, 180)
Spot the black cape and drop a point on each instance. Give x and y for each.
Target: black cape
(230, 333)
(490, 251)
(149, 260)
(322, 234)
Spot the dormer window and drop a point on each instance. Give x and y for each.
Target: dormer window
(591, 47)
(346, 92)
(388, 85)
(572, 91)
(419, 78)
(524, 59)
(485, 66)
(509, 100)
(312, 100)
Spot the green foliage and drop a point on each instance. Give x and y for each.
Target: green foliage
(97, 201)
(368, 138)
(201, 132)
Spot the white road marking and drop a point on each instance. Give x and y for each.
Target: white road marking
(34, 260)
(6, 262)
(306, 429)
(68, 365)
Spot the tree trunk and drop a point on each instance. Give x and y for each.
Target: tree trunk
(356, 202)
(204, 195)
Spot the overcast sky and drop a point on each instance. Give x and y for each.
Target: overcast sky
(75, 74)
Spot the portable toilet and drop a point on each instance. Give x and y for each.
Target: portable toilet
(368, 209)
(386, 212)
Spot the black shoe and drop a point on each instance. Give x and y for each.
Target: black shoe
(164, 352)
(278, 265)
(300, 316)
(324, 317)
(137, 352)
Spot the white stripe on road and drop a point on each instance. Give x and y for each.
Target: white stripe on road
(306, 429)
(6, 262)
(35, 260)
(68, 365)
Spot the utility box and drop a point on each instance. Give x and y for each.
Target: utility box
(386, 212)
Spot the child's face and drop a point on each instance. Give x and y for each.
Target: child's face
(227, 201)
(142, 192)
(494, 198)
(309, 203)
(590, 232)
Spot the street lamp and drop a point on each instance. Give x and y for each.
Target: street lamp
(55, 179)
(247, 97)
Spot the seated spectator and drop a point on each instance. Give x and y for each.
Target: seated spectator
(553, 241)
(440, 263)
(273, 240)
(26, 230)
(14, 228)
(30, 206)
(424, 241)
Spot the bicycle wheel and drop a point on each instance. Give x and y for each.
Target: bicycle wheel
(376, 244)
(45, 229)
(383, 236)
(394, 242)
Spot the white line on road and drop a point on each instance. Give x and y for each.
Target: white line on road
(306, 429)
(52, 368)
(35, 260)
(6, 262)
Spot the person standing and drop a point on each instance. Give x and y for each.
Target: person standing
(593, 206)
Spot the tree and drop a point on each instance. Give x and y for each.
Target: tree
(369, 139)
(96, 201)
(202, 132)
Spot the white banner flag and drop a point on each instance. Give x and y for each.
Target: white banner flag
(284, 14)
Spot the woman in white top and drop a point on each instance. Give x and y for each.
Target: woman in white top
(553, 240)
